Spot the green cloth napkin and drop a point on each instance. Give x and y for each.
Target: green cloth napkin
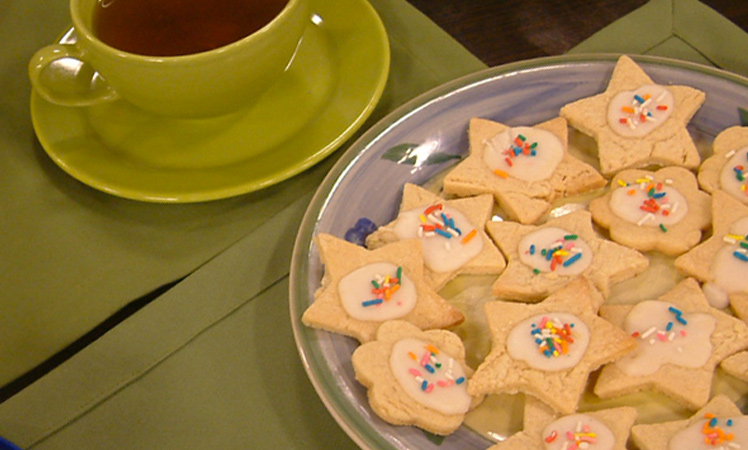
(682, 29)
(73, 256)
(211, 363)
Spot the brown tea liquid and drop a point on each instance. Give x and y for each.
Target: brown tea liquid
(179, 27)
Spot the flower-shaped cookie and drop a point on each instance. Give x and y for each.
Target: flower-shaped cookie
(541, 259)
(663, 210)
(363, 288)
(548, 349)
(727, 168)
(524, 168)
(718, 425)
(452, 233)
(415, 377)
(721, 261)
(544, 429)
(637, 123)
(680, 339)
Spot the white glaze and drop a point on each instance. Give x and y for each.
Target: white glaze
(729, 273)
(448, 391)
(521, 343)
(548, 153)
(627, 202)
(578, 429)
(692, 438)
(356, 288)
(440, 254)
(635, 127)
(532, 245)
(728, 179)
(685, 345)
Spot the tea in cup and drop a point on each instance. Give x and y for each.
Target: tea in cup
(179, 58)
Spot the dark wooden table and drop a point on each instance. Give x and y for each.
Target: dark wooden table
(501, 31)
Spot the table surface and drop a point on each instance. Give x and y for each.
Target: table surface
(512, 30)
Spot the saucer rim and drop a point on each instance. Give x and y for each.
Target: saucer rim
(157, 194)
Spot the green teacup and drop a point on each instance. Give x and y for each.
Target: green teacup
(205, 84)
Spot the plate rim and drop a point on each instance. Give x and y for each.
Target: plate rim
(298, 275)
(274, 176)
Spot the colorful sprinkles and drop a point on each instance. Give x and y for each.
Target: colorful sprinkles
(740, 172)
(667, 334)
(383, 288)
(741, 252)
(437, 223)
(552, 336)
(520, 147)
(714, 434)
(581, 438)
(562, 253)
(642, 110)
(656, 204)
(430, 362)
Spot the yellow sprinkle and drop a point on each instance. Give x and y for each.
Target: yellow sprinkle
(643, 180)
(622, 183)
(501, 173)
(735, 236)
(423, 218)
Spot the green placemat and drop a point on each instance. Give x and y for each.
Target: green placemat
(682, 29)
(211, 363)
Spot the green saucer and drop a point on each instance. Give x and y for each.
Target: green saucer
(330, 88)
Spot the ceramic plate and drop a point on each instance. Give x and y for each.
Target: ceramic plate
(419, 141)
(331, 87)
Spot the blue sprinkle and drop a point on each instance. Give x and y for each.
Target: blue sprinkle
(376, 301)
(460, 380)
(729, 422)
(675, 310)
(681, 320)
(429, 368)
(659, 195)
(424, 385)
(572, 260)
(669, 326)
(713, 422)
(443, 233)
(740, 256)
(638, 98)
(532, 249)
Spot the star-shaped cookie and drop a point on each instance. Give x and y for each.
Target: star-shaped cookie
(713, 261)
(388, 396)
(737, 364)
(507, 370)
(446, 254)
(668, 143)
(689, 386)
(531, 252)
(663, 210)
(524, 200)
(657, 436)
(725, 168)
(539, 429)
(420, 305)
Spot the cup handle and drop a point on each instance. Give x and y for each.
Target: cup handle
(60, 75)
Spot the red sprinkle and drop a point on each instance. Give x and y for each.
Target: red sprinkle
(551, 437)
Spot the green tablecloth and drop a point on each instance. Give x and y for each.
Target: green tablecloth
(211, 363)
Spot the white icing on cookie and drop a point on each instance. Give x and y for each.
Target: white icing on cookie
(637, 113)
(429, 376)
(724, 433)
(373, 292)
(734, 176)
(530, 154)
(649, 203)
(551, 342)
(555, 250)
(729, 268)
(578, 431)
(666, 335)
(449, 239)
